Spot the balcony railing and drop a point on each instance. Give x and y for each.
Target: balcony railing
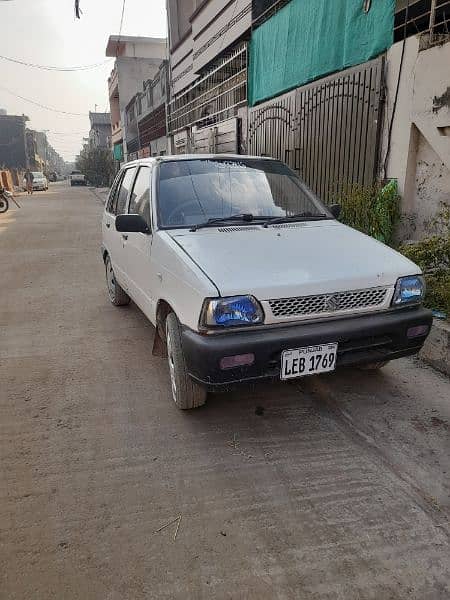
(214, 97)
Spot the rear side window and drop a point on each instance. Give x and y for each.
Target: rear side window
(124, 191)
(112, 198)
(140, 196)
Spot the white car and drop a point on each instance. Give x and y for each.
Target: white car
(40, 182)
(247, 276)
(77, 178)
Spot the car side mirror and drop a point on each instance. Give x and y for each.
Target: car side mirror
(131, 224)
(335, 210)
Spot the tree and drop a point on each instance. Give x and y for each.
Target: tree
(97, 165)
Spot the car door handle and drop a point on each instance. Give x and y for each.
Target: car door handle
(108, 225)
(125, 237)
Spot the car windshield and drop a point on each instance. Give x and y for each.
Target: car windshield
(194, 191)
(38, 175)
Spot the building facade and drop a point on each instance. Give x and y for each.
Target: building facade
(208, 47)
(100, 131)
(13, 147)
(416, 128)
(145, 117)
(137, 59)
(345, 92)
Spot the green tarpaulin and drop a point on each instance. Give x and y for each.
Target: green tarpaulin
(308, 39)
(118, 152)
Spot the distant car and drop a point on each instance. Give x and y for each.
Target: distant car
(40, 182)
(77, 178)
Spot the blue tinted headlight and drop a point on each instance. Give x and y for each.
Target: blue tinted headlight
(236, 310)
(409, 290)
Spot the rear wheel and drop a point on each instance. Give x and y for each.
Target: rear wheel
(116, 294)
(185, 392)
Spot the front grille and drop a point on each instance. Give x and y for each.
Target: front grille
(328, 303)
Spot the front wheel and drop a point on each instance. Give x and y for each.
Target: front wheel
(185, 392)
(4, 205)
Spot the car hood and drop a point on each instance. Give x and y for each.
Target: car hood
(293, 259)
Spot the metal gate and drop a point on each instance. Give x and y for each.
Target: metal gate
(327, 131)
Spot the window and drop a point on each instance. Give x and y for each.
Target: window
(193, 191)
(112, 199)
(140, 196)
(124, 190)
(150, 96)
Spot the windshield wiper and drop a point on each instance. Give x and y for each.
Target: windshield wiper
(304, 216)
(246, 217)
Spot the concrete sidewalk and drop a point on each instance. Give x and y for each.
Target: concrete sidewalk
(100, 193)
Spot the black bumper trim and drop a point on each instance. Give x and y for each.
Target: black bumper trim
(361, 339)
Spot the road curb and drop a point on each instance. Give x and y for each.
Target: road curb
(436, 350)
(100, 195)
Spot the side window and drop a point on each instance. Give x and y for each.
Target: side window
(112, 198)
(140, 196)
(123, 191)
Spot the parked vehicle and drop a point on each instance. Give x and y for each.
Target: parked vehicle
(40, 182)
(5, 198)
(77, 178)
(247, 276)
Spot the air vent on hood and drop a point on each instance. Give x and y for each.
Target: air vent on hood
(230, 229)
(287, 225)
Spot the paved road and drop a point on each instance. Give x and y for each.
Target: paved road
(340, 490)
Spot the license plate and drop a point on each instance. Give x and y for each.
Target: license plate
(309, 360)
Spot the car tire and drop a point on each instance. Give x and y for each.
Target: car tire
(4, 205)
(185, 392)
(116, 293)
(374, 366)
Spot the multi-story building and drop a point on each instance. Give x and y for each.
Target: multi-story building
(13, 148)
(137, 59)
(146, 117)
(100, 132)
(208, 42)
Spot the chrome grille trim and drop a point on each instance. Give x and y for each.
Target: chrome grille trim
(332, 303)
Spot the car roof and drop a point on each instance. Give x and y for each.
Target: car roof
(180, 157)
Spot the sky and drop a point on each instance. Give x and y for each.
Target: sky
(46, 32)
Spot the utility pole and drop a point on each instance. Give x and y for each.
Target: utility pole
(45, 131)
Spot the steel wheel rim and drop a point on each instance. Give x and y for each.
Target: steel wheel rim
(111, 282)
(3, 206)
(171, 365)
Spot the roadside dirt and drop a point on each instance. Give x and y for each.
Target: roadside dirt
(333, 488)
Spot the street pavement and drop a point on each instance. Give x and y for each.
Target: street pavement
(339, 490)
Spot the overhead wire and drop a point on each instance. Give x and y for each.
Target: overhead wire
(55, 110)
(54, 68)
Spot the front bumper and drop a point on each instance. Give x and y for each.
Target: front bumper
(362, 339)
